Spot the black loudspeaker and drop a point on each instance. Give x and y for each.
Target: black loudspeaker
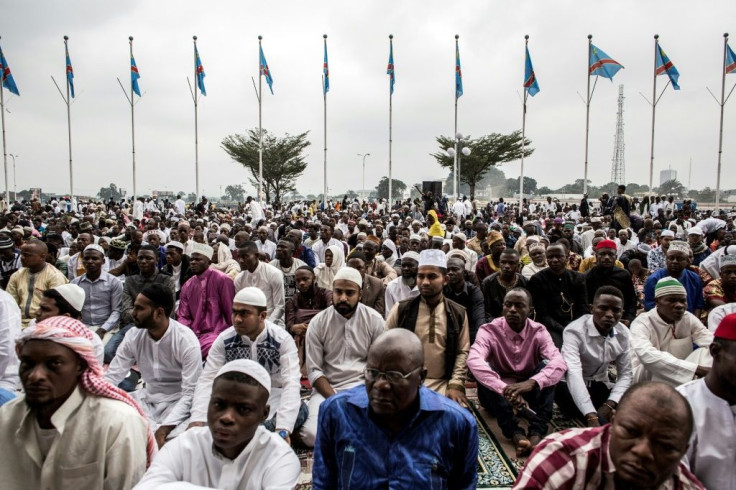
(433, 186)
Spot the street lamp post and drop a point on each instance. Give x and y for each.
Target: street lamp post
(15, 189)
(363, 155)
(460, 148)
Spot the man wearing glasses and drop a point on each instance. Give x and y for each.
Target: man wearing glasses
(394, 432)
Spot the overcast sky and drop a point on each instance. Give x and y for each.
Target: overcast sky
(492, 54)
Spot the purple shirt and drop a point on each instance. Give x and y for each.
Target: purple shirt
(206, 304)
(501, 356)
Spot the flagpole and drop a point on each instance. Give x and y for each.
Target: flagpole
(324, 94)
(196, 122)
(132, 120)
(260, 124)
(654, 111)
(523, 133)
(5, 154)
(455, 179)
(587, 117)
(720, 133)
(390, 126)
(69, 125)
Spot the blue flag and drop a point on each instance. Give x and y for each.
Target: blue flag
(530, 79)
(326, 72)
(664, 65)
(134, 76)
(265, 71)
(600, 64)
(730, 60)
(390, 69)
(199, 69)
(7, 77)
(458, 73)
(69, 73)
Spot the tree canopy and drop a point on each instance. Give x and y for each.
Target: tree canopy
(111, 191)
(486, 152)
(397, 188)
(283, 159)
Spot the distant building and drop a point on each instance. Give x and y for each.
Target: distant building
(665, 175)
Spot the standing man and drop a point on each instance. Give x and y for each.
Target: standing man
(711, 452)
(441, 325)
(559, 293)
(169, 359)
(28, 283)
(263, 276)
(337, 345)
(103, 300)
(376, 436)
(206, 299)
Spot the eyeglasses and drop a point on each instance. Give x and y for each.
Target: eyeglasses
(393, 377)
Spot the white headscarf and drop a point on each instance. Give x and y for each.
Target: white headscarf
(325, 275)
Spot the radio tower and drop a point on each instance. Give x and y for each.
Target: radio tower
(618, 166)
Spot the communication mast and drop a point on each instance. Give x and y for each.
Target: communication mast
(618, 165)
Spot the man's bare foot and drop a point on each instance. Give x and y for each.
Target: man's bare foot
(523, 445)
(534, 439)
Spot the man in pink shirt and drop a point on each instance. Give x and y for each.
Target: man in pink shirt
(206, 300)
(517, 367)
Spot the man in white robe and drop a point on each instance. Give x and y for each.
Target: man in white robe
(662, 339)
(263, 276)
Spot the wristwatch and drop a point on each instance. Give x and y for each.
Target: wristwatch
(283, 433)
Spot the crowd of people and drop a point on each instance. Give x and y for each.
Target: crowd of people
(154, 342)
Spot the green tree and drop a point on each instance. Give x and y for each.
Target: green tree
(708, 195)
(234, 193)
(672, 188)
(283, 159)
(397, 188)
(486, 152)
(544, 190)
(112, 190)
(512, 186)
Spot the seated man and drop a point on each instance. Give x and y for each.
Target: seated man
(375, 267)
(605, 273)
(464, 293)
(263, 276)
(642, 448)
(677, 265)
(9, 331)
(516, 363)
(377, 435)
(252, 336)
(71, 429)
(168, 357)
(337, 345)
(372, 293)
(711, 452)
(589, 345)
(103, 292)
(308, 301)
(177, 264)
(662, 339)
(234, 451)
(496, 285)
(404, 286)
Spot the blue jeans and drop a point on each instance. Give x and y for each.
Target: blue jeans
(112, 346)
(270, 424)
(6, 396)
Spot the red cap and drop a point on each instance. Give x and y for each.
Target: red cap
(606, 244)
(727, 328)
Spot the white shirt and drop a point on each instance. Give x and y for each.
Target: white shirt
(718, 313)
(270, 280)
(396, 291)
(652, 347)
(458, 209)
(319, 248)
(275, 350)
(337, 347)
(630, 245)
(169, 366)
(267, 247)
(267, 462)
(181, 207)
(712, 451)
(9, 331)
(587, 355)
(256, 211)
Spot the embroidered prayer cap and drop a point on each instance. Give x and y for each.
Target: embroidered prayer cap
(410, 255)
(679, 246)
(118, 244)
(94, 247)
(6, 243)
(349, 274)
(457, 253)
(73, 294)
(175, 244)
(415, 236)
(727, 328)
(461, 236)
(433, 257)
(249, 368)
(643, 247)
(202, 249)
(667, 233)
(726, 260)
(494, 236)
(667, 286)
(606, 244)
(695, 231)
(251, 296)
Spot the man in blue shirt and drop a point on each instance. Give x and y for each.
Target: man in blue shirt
(678, 260)
(394, 432)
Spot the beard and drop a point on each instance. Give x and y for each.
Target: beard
(345, 309)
